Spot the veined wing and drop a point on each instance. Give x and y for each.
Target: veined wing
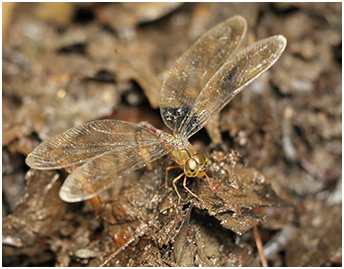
(82, 143)
(195, 68)
(230, 79)
(100, 172)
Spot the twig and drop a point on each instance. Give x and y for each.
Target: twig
(140, 231)
(260, 248)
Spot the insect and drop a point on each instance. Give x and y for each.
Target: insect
(202, 81)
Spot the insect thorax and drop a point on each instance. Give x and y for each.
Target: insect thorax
(182, 149)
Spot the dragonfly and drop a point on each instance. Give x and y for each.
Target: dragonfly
(202, 81)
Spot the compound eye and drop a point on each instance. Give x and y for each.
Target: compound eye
(201, 159)
(191, 168)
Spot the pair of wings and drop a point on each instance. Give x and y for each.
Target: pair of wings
(203, 80)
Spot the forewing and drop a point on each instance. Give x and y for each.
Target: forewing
(82, 143)
(230, 79)
(195, 67)
(100, 172)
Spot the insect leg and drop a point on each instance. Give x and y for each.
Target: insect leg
(184, 184)
(166, 174)
(175, 187)
(210, 186)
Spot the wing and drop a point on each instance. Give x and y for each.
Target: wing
(100, 172)
(195, 67)
(230, 79)
(82, 143)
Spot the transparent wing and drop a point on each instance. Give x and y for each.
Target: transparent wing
(82, 143)
(195, 67)
(100, 172)
(230, 79)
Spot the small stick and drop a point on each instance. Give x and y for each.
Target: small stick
(113, 255)
(137, 235)
(259, 245)
(197, 249)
